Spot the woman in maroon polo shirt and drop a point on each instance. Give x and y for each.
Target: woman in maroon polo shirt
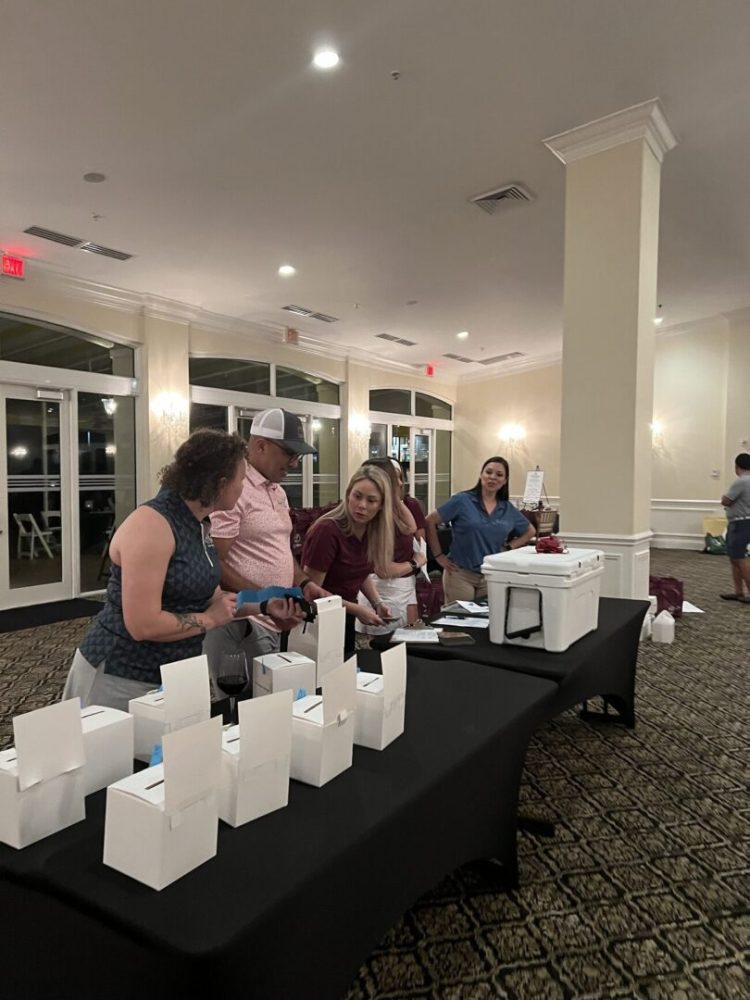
(355, 539)
(397, 586)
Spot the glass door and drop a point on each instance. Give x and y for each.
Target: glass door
(35, 517)
(422, 453)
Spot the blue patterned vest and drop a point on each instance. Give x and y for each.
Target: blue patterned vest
(192, 577)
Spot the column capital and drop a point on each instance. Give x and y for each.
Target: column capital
(641, 121)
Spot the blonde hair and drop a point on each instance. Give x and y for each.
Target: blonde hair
(380, 531)
(402, 516)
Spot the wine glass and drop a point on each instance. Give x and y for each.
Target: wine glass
(233, 679)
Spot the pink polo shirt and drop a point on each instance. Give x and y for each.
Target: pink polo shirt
(261, 525)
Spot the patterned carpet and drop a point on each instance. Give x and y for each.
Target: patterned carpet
(642, 892)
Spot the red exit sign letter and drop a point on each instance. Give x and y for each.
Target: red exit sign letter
(12, 266)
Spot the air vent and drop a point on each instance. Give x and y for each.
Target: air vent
(509, 194)
(311, 314)
(396, 340)
(501, 357)
(49, 234)
(105, 251)
(73, 241)
(459, 357)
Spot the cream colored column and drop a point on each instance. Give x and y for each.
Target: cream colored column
(613, 169)
(355, 424)
(166, 381)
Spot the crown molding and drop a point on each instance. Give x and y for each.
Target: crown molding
(506, 368)
(644, 121)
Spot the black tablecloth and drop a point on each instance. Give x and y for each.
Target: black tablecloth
(601, 663)
(295, 901)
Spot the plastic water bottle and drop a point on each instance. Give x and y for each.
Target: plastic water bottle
(663, 628)
(647, 626)
(654, 605)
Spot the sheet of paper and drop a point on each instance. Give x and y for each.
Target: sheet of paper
(420, 545)
(187, 695)
(339, 690)
(690, 609)
(265, 729)
(48, 742)
(415, 635)
(457, 622)
(532, 493)
(393, 665)
(472, 608)
(192, 763)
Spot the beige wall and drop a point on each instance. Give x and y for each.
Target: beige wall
(531, 399)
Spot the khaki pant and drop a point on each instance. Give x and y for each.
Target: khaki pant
(463, 585)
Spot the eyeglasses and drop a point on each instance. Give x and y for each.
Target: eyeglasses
(292, 456)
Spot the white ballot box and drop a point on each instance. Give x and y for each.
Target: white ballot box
(185, 700)
(255, 760)
(283, 672)
(323, 639)
(381, 701)
(41, 777)
(323, 728)
(108, 745)
(544, 600)
(162, 822)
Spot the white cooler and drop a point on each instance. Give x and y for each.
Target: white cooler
(544, 600)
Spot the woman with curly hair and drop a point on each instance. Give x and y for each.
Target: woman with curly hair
(163, 593)
(346, 545)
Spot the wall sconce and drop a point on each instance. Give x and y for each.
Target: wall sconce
(359, 426)
(657, 433)
(110, 406)
(171, 408)
(111, 449)
(512, 434)
(316, 425)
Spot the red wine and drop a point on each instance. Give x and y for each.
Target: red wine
(232, 684)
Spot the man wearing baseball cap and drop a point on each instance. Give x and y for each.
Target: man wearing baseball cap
(253, 539)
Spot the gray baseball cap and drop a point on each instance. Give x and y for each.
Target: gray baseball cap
(284, 428)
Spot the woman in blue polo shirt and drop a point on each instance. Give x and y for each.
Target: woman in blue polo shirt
(481, 520)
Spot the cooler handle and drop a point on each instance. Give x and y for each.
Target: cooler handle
(523, 633)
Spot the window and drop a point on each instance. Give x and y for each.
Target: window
(390, 400)
(229, 373)
(33, 343)
(207, 415)
(430, 406)
(291, 384)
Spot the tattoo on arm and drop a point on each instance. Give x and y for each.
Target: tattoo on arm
(188, 621)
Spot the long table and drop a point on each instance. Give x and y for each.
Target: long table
(295, 901)
(602, 663)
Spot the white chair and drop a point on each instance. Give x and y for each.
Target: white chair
(28, 533)
(53, 523)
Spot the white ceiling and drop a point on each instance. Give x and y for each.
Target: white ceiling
(227, 154)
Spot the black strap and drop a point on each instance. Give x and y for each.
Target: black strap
(523, 633)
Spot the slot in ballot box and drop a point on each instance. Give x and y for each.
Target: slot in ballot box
(41, 776)
(184, 701)
(108, 743)
(323, 728)
(276, 672)
(381, 701)
(323, 639)
(162, 822)
(545, 600)
(255, 760)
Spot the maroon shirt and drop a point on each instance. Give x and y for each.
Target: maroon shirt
(417, 513)
(342, 557)
(403, 546)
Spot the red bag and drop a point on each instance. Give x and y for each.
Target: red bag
(430, 597)
(669, 594)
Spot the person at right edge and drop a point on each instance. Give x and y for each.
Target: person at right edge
(737, 503)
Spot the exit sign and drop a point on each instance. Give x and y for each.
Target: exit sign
(12, 266)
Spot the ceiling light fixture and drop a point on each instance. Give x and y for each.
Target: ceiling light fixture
(326, 59)
(462, 335)
(286, 270)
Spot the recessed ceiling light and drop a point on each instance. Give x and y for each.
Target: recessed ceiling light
(286, 270)
(658, 320)
(462, 335)
(95, 178)
(326, 58)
